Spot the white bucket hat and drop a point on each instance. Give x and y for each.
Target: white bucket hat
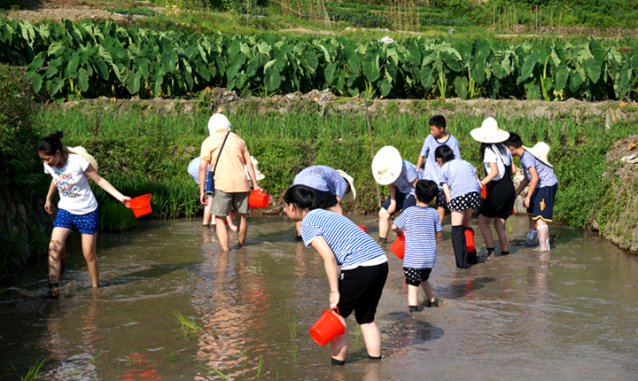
(258, 174)
(387, 165)
(218, 122)
(489, 132)
(350, 196)
(541, 152)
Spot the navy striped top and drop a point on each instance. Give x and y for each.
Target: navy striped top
(546, 176)
(350, 245)
(459, 176)
(421, 224)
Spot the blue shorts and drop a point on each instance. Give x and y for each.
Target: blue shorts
(403, 202)
(86, 223)
(541, 204)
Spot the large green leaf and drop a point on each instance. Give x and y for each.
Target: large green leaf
(272, 80)
(83, 79)
(329, 72)
(72, 66)
(235, 65)
(575, 81)
(450, 61)
(594, 69)
(370, 69)
(202, 71)
(498, 70)
(460, 85)
(37, 63)
(562, 75)
(477, 71)
(56, 85)
(427, 80)
(482, 48)
(101, 68)
(37, 83)
(597, 51)
(528, 66)
(385, 87)
(55, 48)
(533, 91)
(252, 67)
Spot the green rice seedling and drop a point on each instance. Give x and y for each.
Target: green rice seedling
(188, 325)
(116, 217)
(170, 357)
(540, 129)
(33, 373)
(555, 131)
(259, 365)
(526, 130)
(94, 358)
(357, 331)
(214, 371)
(571, 131)
(293, 327)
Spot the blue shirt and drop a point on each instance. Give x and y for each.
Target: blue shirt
(421, 224)
(459, 176)
(429, 146)
(405, 179)
(546, 176)
(193, 169)
(349, 244)
(322, 178)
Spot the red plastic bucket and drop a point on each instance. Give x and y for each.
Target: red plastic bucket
(484, 192)
(469, 240)
(327, 328)
(258, 199)
(363, 228)
(398, 246)
(141, 205)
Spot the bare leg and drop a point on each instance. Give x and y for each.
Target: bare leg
(467, 216)
(413, 295)
(503, 236)
(429, 291)
(336, 208)
(484, 225)
(384, 223)
(231, 225)
(207, 216)
(441, 212)
(457, 218)
(339, 346)
(298, 226)
(243, 228)
(372, 338)
(88, 249)
(58, 237)
(543, 235)
(532, 223)
(222, 232)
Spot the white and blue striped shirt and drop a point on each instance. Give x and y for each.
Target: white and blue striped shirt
(427, 151)
(349, 244)
(193, 169)
(459, 176)
(322, 178)
(421, 224)
(405, 179)
(546, 176)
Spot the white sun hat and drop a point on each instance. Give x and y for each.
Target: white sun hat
(489, 132)
(80, 151)
(541, 152)
(350, 196)
(218, 122)
(387, 165)
(258, 174)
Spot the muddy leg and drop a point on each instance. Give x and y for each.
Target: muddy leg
(222, 232)
(58, 237)
(243, 228)
(339, 346)
(384, 223)
(429, 291)
(372, 338)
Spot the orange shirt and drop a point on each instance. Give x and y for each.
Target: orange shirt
(229, 176)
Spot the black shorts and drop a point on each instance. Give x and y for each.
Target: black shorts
(414, 277)
(441, 201)
(541, 205)
(326, 199)
(361, 290)
(403, 202)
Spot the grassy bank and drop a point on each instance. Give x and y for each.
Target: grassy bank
(148, 153)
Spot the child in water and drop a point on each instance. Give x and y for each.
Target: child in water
(358, 285)
(77, 206)
(462, 191)
(421, 224)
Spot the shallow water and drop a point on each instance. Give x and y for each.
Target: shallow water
(568, 315)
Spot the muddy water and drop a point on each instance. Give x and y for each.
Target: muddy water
(568, 315)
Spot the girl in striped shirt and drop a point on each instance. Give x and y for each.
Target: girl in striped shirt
(358, 285)
(462, 190)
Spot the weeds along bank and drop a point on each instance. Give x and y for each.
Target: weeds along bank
(148, 152)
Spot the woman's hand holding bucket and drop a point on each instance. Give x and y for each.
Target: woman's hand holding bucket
(124, 200)
(334, 299)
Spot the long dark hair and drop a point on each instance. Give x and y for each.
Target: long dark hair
(50, 144)
(445, 153)
(500, 147)
(302, 196)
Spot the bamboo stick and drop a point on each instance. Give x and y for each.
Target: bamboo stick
(372, 148)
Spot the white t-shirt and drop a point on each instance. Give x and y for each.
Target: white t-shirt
(76, 196)
(493, 155)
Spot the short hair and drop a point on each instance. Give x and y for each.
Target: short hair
(444, 152)
(302, 196)
(426, 191)
(438, 121)
(514, 141)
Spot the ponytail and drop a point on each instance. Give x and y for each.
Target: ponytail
(302, 196)
(50, 144)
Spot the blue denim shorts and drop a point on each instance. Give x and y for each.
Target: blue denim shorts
(86, 223)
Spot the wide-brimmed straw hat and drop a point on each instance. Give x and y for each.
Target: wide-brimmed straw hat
(350, 196)
(258, 174)
(489, 132)
(80, 151)
(541, 152)
(387, 165)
